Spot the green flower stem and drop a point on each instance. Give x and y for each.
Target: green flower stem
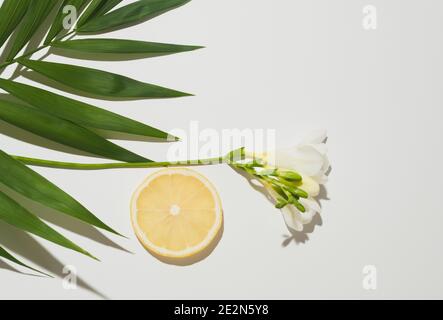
(120, 165)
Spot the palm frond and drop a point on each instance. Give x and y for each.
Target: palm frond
(33, 186)
(130, 14)
(11, 13)
(97, 8)
(63, 131)
(121, 46)
(79, 112)
(57, 25)
(35, 15)
(68, 121)
(99, 83)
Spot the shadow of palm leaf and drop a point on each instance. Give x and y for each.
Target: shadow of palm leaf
(62, 220)
(6, 266)
(26, 246)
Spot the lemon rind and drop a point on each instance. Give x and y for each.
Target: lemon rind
(188, 252)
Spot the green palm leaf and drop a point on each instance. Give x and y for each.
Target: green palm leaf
(14, 214)
(5, 254)
(37, 12)
(136, 12)
(35, 187)
(97, 8)
(106, 6)
(79, 112)
(57, 25)
(119, 46)
(63, 131)
(11, 13)
(65, 120)
(99, 83)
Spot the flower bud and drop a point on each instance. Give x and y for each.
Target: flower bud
(301, 193)
(289, 175)
(266, 172)
(298, 205)
(236, 155)
(281, 203)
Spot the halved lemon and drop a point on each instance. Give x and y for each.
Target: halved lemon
(176, 213)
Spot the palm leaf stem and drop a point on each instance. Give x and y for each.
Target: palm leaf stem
(31, 52)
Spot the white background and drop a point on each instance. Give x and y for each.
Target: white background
(288, 65)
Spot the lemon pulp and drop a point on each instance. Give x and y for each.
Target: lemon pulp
(176, 212)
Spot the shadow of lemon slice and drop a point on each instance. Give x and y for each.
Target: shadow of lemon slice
(177, 215)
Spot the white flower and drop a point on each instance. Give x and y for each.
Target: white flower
(309, 159)
(295, 219)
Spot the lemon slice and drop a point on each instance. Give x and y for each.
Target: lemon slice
(176, 213)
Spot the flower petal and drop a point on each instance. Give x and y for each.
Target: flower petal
(321, 148)
(291, 218)
(305, 159)
(321, 179)
(315, 137)
(310, 185)
(312, 204)
(306, 217)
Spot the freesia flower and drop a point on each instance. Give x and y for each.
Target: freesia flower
(293, 177)
(295, 219)
(310, 160)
